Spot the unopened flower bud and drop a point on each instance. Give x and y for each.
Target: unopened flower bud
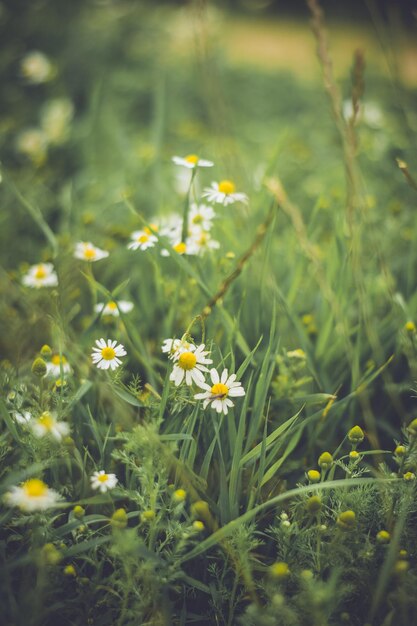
(313, 476)
(383, 537)
(313, 504)
(346, 520)
(119, 519)
(39, 367)
(78, 511)
(356, 435)
(325, 460)
(279, 570)
(46, 350)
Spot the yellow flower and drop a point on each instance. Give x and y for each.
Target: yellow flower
(313, 476)
(346, 520)
(279, 570)
(325, 460)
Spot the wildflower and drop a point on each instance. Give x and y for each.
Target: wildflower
(47, 424)
(224, 193)
(410, 327)
(179, 495)
(198, 526)
(40, 275)
(69, 570)
(119, 519)
(200, 216)
(36, 67)
(400, 450)
(401, 567)
(22, 417)
(32, 495)
(107, 355)
(200, 508)
(354, 454)
(356, 435)
(313, 505)
(218, 393)
(46, 351)
(279, 570)
(174, 347)
(383, 536)
(55, 119)
(191, 161)
(346, 520)
(148, 516)
(313, 476)
(409, 476)
(200, 242)
(78, 511)
(55, 364)
(297, 354)
(51, 555)
(190, 365)
(102, 481)
(86, 251)
(142, 239)
(39, 367)
(113, 308)
(325, 460)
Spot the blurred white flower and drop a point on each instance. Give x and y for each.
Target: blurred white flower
(32, 495)
(56, 117)
(113, 308)
(47, 424)
(40, 275)
(53, 367)
(191, 161)
(142, 239)
(86, 251)
(22, 417)
(33, 143)
(174, 347)
(36, 67)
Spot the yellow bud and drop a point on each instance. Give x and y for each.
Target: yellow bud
(148, 516)
(410, 327)
(279, 570)
(412, 427)
(198, 526)
(306, 574)
(353, 454)
(39, 367)
(409, 476)
(313, 476)
(400, 450)
(383, 536)
(46, 350)
(346, 520)
(403, 554)
(325, 460)
(200, 509)
(78, 511)
(69, 570)
(356, 435)
(401, 567)
(313, 504)
(179, 495)
(51, 555)
(119, 519)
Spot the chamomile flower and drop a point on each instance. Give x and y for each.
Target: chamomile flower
(142, 239)
(47, 424)
(106, 355)
(112, 308)
(224, 193)
(201, 216)
(36, 67)
(40, 275)
(53, 367)
(102, 481)
(192, 161)
(200, 242)
(190, 365)
(174, 347)
(32, 143)
(86, 251)
(32, 495)
(219, 393)
(22, 417)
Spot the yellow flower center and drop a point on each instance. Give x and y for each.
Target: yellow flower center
(46, 420)
(192, 158)
(187, 360)
(197, 219)
(220, 390)
(180, 247)
(108, 353)
(102, 478)
(143, 238)
(89, 253)
(112, 305)
(203, 239)
(40, 272)
(57, 361)
(227, 187)
(34, 488)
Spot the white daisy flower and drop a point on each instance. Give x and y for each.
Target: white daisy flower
(224, 193)
(55, 119)
(142, 239)
(40, 275)
(192, 161)
(219, 393)
(36, 67)
(200, 242)
(33, 143)
(201, 217)
(22, 417)
(174, 347)
(190, 365)
(47, 424)
(102, 481)
(53, 367)
(32, 495)
(86, 251)
(113, 308)
(106, 355)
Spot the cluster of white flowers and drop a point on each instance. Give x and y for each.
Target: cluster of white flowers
(190, 363)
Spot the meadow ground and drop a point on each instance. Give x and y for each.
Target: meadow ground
(209, 309)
